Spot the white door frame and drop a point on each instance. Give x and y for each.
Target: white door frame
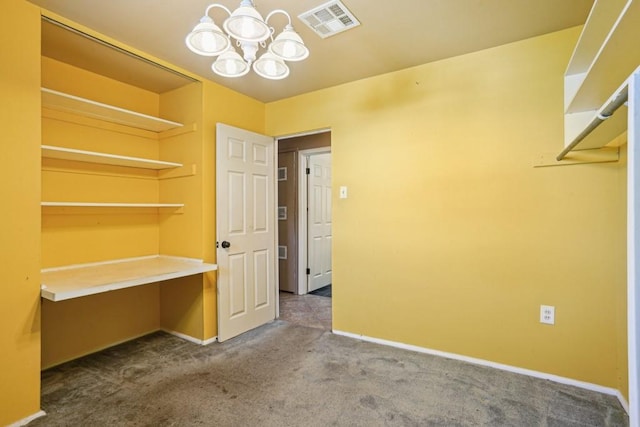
(303, 161)
(633, 243)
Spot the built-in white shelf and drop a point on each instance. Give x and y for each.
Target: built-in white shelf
(62, 283)
(604, 57)
(73, 104)
(606, 54)
(111, 205)
(63, 153)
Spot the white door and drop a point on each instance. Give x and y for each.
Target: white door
(319, 220)
(246, 230)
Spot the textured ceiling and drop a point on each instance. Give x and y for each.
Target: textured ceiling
(393, 35)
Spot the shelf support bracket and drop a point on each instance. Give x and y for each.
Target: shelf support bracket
(607, 110)
(580, 157)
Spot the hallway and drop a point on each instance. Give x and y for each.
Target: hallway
(307, 310)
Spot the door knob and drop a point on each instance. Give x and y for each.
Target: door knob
(225, 244)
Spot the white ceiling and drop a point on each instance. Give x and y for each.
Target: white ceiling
(393, 34)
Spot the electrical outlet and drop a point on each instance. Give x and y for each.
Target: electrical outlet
(548, 314)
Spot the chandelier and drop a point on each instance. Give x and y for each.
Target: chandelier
(250, 32)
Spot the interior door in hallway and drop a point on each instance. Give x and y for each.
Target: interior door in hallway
(246, 230)
(319, 220)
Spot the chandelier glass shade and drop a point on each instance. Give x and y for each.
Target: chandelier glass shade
(246, 28)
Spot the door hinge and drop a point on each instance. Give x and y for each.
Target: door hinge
(308, 271)
(308, 171)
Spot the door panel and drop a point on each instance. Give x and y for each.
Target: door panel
(236, 200)
(260, 203)
(237, 285)
(245, 197)
(261, 268)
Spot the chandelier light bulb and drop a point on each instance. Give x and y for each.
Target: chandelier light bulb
(271, 67)
(207, 39)
(289, 45)
(230, 64)
(246, 24)
(288, 49)
(231, 68)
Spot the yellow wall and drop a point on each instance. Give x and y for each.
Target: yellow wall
(450, 239)
(81, 326)
(468, 238)
(181, 300)
(20, 216)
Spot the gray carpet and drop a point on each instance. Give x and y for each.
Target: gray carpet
(288, 375)
(306, 310)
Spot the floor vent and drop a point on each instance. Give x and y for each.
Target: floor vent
(329, 19)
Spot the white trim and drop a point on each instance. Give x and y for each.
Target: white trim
(623, 401)
(276, 239)
(189, 337)
(633, 242)
(311, 132)
(301, 286)
(210, 341)
(25, 421)
(495, 365)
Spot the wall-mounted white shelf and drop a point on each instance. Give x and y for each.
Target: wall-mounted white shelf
(599, 69)
(110, 205)
(85, 107)
(605, 56)
(63, 153)
(76, 281)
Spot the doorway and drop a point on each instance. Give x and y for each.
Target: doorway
(297, 155)
(298, 273)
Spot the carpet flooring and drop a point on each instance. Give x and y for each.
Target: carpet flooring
(307, 310)
(283, 374)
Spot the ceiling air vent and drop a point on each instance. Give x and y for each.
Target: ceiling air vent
(329, 19)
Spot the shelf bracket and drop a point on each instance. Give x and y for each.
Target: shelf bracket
(579, 157)
(187, 128)
(616, 101)
(184, 171)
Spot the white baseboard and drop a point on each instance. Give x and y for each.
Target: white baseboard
(25, 421)
(482, 362)
(210, 341)
(190, 338)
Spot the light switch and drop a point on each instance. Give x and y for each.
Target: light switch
(343, 192)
